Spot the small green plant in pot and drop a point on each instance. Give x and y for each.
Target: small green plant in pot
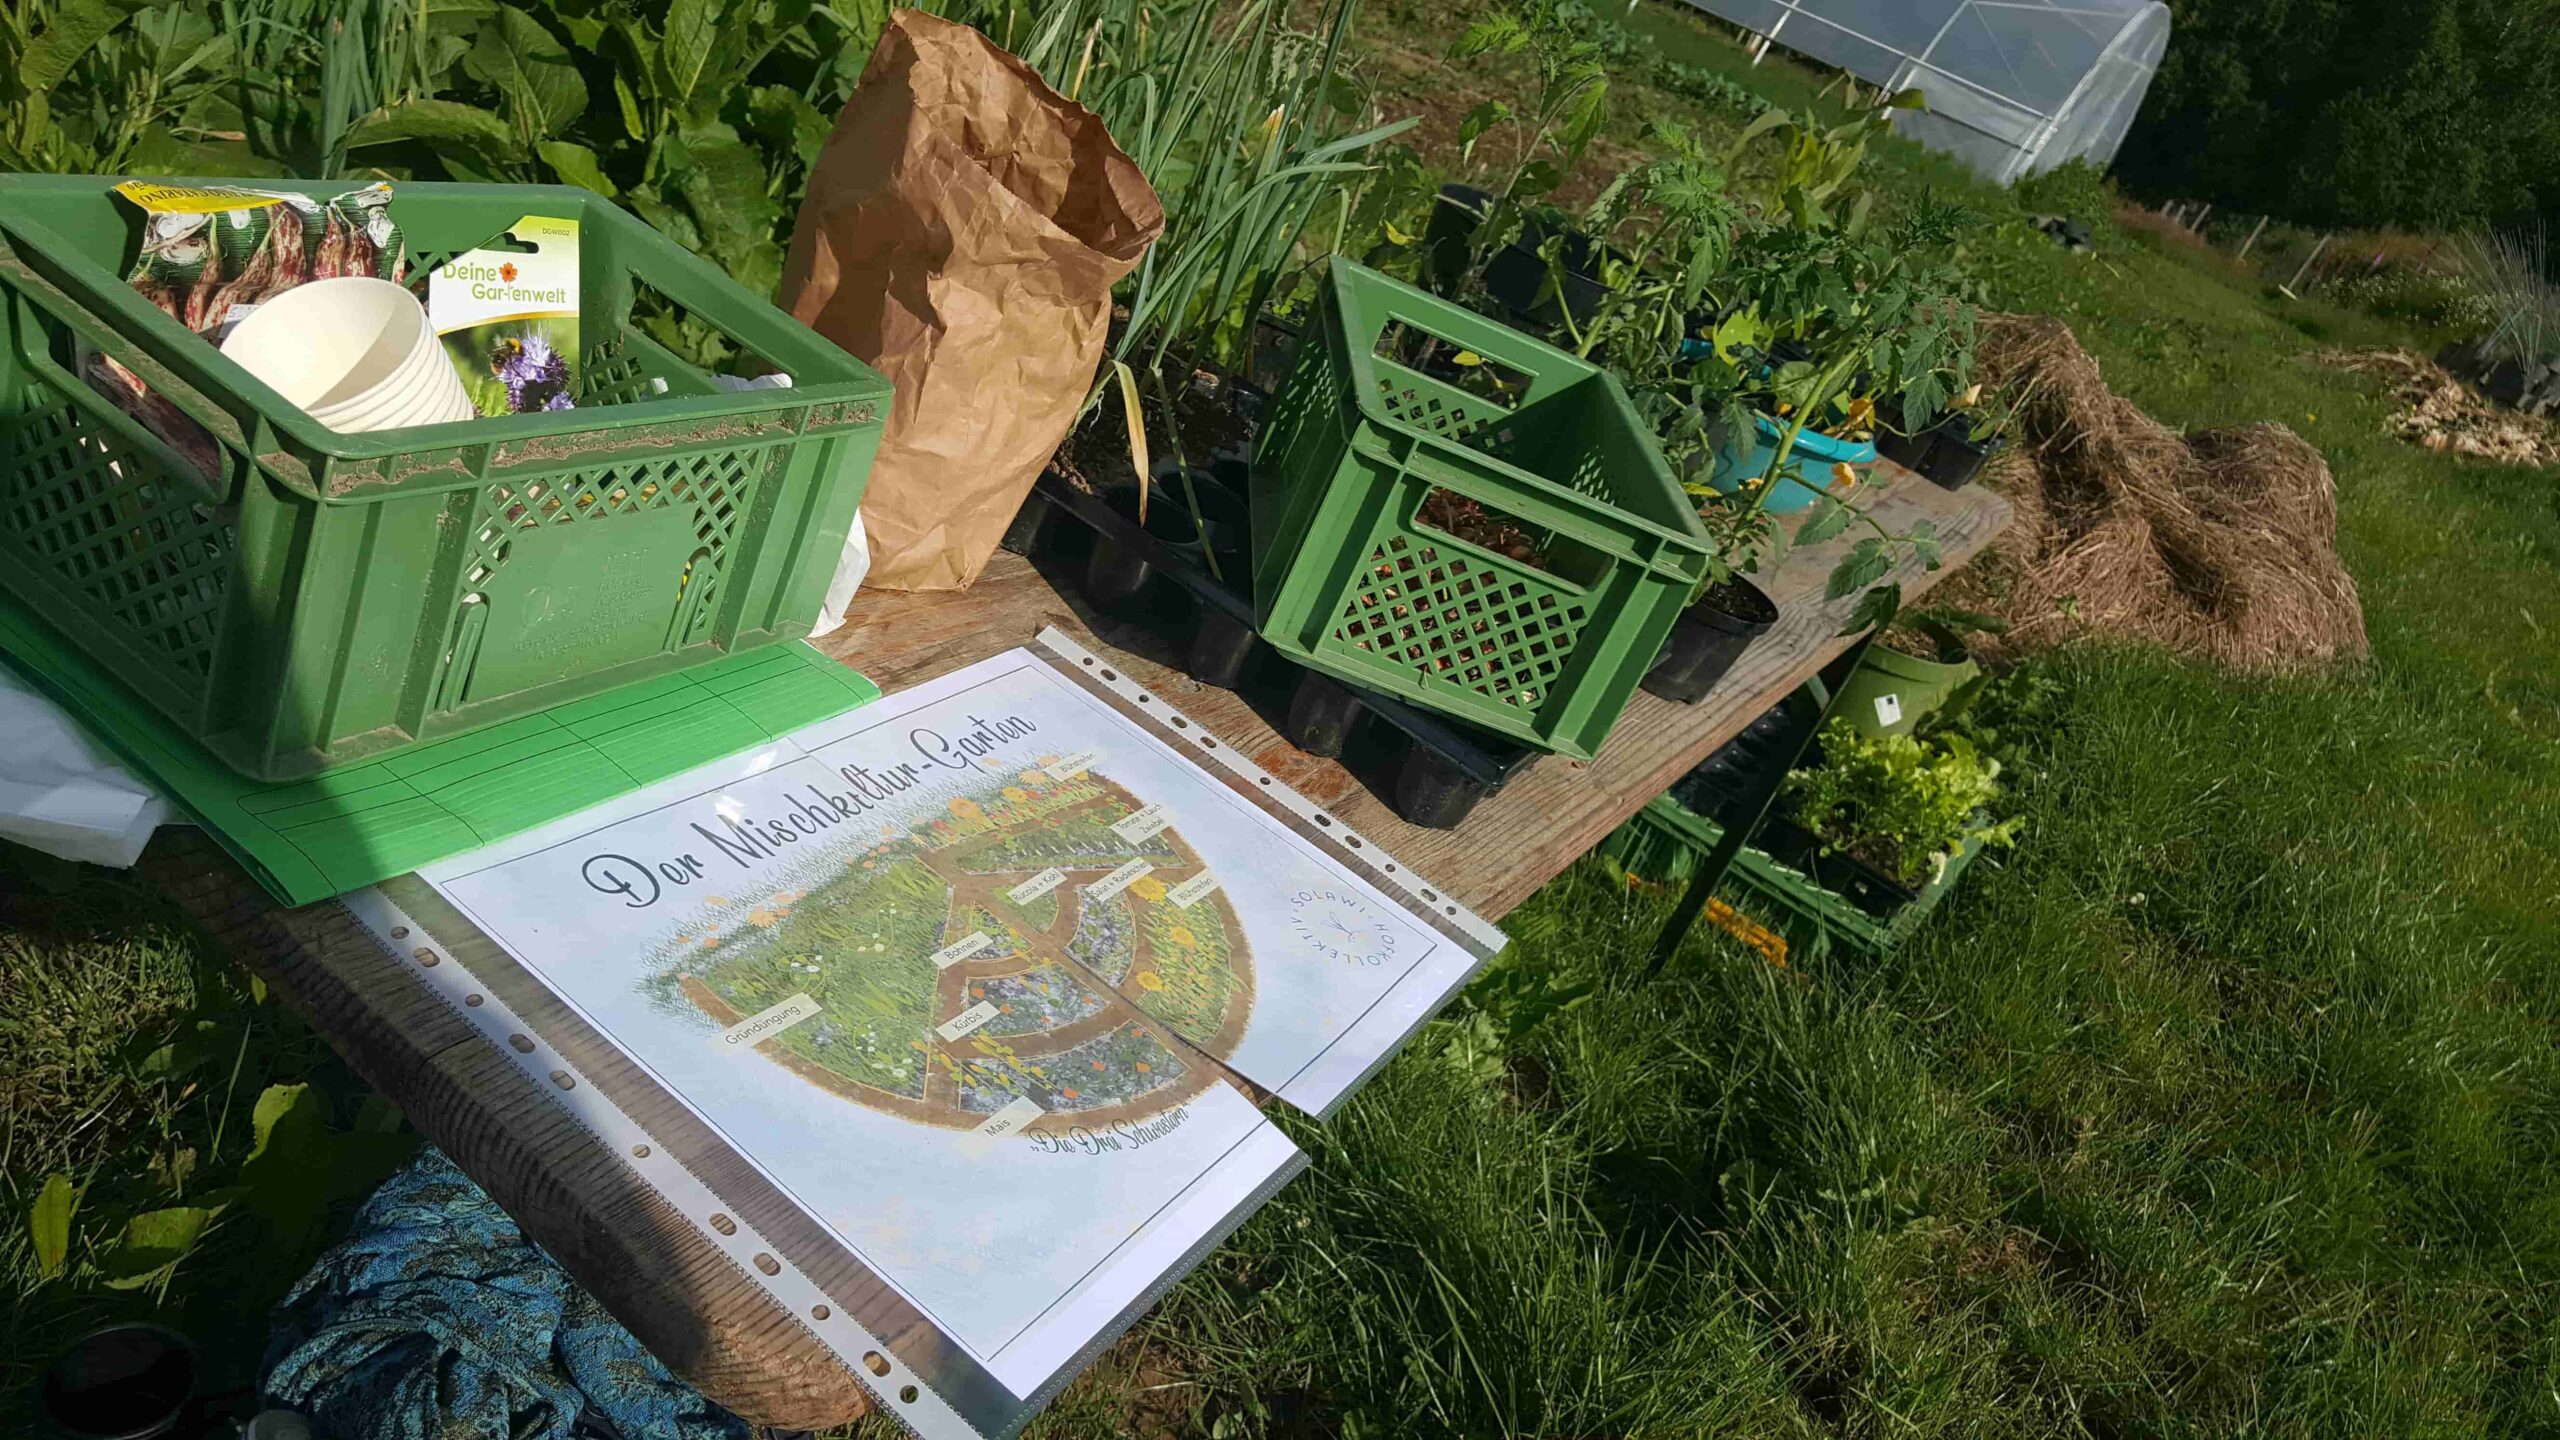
(1903, 812)
(1666, 229)
(1951, 453)
(1513, 157)
(1868, 310)
(1814, 310)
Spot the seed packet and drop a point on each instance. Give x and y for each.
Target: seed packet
(211, 254)
(507, 311)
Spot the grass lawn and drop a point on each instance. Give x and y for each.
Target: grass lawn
(2227, 1104)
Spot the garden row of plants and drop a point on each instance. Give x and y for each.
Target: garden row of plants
(1774, 334)
(1770, 327)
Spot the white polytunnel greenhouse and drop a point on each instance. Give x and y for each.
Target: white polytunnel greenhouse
(2014, 87)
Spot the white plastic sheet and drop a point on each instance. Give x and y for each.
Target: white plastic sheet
(851, 567)
(61, 792)
(854, 565)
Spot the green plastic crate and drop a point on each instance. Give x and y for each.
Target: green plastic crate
(1350, 579)
(1666, 842)
(329, 598)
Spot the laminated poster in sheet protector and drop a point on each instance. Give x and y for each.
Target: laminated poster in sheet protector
(982, 982)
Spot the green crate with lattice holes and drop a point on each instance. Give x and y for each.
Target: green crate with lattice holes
(1666, 842)
(1447, 510)
(296, 598)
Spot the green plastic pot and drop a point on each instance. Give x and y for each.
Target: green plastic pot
(1890, 692)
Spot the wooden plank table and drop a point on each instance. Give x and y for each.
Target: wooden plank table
(688, 1302)
(1544, 819)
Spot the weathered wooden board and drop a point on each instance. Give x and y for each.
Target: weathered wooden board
(682, 1297)
(1515, 841)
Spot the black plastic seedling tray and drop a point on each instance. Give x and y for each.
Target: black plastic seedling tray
(1433, 771)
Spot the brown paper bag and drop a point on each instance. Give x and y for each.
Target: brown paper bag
(964, 226)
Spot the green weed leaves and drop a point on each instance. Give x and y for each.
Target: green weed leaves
(49, 1223)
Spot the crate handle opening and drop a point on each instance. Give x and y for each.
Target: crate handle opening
(104, 412)
(1409, 345)
(35, 342)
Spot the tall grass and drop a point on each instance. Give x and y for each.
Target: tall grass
(2511, 271)
(2223, 1109)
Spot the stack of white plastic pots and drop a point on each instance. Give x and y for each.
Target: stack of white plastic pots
(355, 353)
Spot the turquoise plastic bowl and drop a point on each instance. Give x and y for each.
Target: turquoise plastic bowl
(1742, 458)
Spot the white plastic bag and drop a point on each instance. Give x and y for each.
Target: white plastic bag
(856, 560)
(850, 568)
(62, 793)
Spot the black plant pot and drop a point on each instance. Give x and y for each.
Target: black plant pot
(1783, 840)
(1708, 638)
(1267, 366)
(1224, 522)
(1515, 275)
(1852, 879)
(1115, 575)
(1222, 513)
(1911, 452)
(1221, 646)
(1449, 238)
(1433, 792)
(1954, 457)
(1863, 885)
(125, 1382)
(1248, 399)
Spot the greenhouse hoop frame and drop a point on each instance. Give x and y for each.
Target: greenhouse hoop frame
(2013, 87)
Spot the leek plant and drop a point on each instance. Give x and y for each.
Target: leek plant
(238, 87)
(1244, 123)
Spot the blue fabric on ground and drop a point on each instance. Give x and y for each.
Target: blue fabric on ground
(437, 1319)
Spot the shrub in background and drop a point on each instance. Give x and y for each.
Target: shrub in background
(2075, 190)
(2440, 299)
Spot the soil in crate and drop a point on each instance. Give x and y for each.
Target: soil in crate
(1448, 511)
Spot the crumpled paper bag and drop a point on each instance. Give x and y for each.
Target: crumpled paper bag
(963, 229)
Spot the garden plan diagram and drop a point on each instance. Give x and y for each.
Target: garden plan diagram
(995, 915)
(964, 973)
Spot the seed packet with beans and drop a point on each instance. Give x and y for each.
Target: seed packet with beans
(211, 254)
